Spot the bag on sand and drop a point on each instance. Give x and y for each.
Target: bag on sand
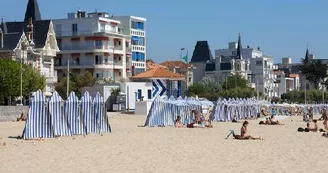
(300, 129)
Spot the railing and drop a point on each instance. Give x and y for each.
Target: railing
(138, 48)
(87, 33)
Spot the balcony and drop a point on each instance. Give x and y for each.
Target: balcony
(137, 32)
(49, 52)
(138, 48)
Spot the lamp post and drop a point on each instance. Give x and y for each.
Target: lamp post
(305, 93)
(67, 79)
(114, 63)
(24, 50)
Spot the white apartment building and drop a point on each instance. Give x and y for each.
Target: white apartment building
(262, 71)
(136, 28)
(285, 83)
(93, 42)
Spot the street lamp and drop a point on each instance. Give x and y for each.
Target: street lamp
(23, 50)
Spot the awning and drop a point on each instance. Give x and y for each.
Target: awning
(135, 38)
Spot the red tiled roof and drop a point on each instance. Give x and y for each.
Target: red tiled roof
(152, 65)
(174, 64)
(159, 73)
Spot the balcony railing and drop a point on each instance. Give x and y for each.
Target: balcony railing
(87, 33)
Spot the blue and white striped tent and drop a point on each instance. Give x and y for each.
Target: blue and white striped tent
(87, 113)
(74, 119)
(58, 117)
(164, 112)
(102, 123)
(38, 124)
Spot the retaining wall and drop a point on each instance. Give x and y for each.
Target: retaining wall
(11, 113)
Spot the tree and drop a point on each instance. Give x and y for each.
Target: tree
(315, 71)
(234, 81)
(10, 81)
(76, 83)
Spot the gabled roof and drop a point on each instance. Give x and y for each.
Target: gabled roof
(40, 33)
(202, 52)
(158, 73)
(32, 10)
(10, 41)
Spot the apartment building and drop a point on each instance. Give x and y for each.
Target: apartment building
(136, 28)
(93, 42)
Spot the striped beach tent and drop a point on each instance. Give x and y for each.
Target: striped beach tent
(58, 118)
(72, 112)
(38, 124)
(87, 113)
(100, 112)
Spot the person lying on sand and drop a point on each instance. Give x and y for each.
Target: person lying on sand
(178, 122)
(244, 133)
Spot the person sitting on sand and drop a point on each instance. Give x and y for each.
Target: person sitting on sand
(244, 133)
(178, 122)
(22, 117)
(315, 126)
(273, 121)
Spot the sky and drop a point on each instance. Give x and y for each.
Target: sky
(280, 28)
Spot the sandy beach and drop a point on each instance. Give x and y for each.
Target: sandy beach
(141, 149)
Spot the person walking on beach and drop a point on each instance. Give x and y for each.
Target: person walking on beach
(324, 117)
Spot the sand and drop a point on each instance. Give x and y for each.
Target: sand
(140, 149)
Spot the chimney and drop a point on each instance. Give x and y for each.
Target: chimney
(30, 28)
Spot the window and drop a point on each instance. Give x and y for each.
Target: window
(119, 58)
(77, 61)
(98, 59)
(74, 29)
(259, 63)
(102, 27)
(99, 44)
(59, 43)
(190, 79)
(58, 29)
(119, 73)
(139, 94)
(149, 94)
(97, 75)
(119, 43)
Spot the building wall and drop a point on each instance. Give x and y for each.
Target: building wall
(132, 89)
(139, 51)
(198, 71)
(98, 56)
(11, 113)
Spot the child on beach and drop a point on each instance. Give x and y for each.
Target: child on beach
(178, 122)
(324, 117)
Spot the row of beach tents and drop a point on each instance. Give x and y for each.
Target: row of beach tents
(164, 111)
(53, 117)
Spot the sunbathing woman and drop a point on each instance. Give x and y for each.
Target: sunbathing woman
(244, 133)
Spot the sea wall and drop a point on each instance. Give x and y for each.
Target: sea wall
(11, 113)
